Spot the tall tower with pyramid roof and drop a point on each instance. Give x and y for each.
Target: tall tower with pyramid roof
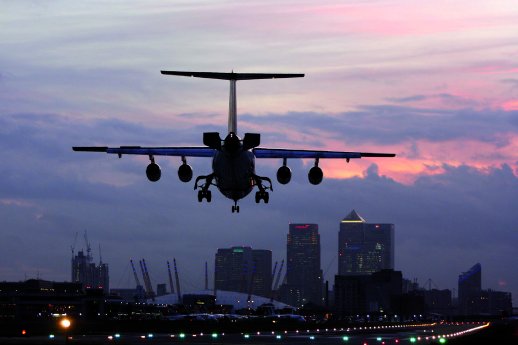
(364, 248)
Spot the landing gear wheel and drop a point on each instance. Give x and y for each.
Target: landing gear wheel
(266, 197)
(235, 209)
(200, 196)
(208, 195)
(257, 197)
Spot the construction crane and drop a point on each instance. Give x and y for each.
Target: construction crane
(88, 248)
(177, 281)
(137, 281)
(170, 277)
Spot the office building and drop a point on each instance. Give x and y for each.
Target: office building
(303, 272)
(364, 248)
(243, 269)
(470, 288)
(361, 294)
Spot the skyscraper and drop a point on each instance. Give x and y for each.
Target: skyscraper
(364, 248)
(243, 269)
(303, 272)
(470, 288)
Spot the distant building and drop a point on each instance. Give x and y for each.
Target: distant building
(438, 301)
(34, 298)
(161, 289)
(470, 288)
(303, 272)
(243, 269)
(92, 276)
(496, 302)
(474, 301)
(378, 293)
(364, 248)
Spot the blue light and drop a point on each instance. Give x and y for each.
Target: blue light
(278, 337)
(312, 337)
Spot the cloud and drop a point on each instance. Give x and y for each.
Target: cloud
(376, 124)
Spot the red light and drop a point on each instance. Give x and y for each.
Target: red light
(397, 341)
(24, 332)
(301, 226)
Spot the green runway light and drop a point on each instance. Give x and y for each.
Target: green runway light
(182, 335)
(378, 338)
(345, 338)
(442, 341)
(214, 335)
(413, 340)
(247, 336)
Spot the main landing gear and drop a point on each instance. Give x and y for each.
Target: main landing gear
(262, 193)
(204, 193)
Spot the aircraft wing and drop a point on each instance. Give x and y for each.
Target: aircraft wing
(285, 153)
(150, 151)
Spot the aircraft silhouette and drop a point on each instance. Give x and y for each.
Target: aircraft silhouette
(233, 158)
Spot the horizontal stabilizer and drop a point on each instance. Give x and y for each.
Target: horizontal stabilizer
(233, 76)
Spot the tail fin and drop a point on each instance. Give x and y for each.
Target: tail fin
(233, 77)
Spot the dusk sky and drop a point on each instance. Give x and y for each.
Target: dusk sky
(435, 82)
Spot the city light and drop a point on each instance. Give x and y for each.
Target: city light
(65, 323)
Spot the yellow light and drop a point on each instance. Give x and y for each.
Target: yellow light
(65, 323)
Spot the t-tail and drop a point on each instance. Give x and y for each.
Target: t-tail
(233, 78)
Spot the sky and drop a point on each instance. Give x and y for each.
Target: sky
(435, 82)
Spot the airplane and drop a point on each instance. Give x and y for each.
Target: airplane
(233, 159)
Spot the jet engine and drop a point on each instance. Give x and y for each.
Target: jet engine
(315, 175)
(284, 175)
(185, 172)
(153, 172)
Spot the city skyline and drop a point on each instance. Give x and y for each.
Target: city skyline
(435, 83)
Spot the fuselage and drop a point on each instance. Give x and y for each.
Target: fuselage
(233, 172)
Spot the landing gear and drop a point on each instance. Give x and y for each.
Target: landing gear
(235, 208)
(204, 193)
(262, 195)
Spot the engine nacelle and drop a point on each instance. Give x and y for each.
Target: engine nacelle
(153, 172)
(185, 172)
(284, 175)
(315, 175)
